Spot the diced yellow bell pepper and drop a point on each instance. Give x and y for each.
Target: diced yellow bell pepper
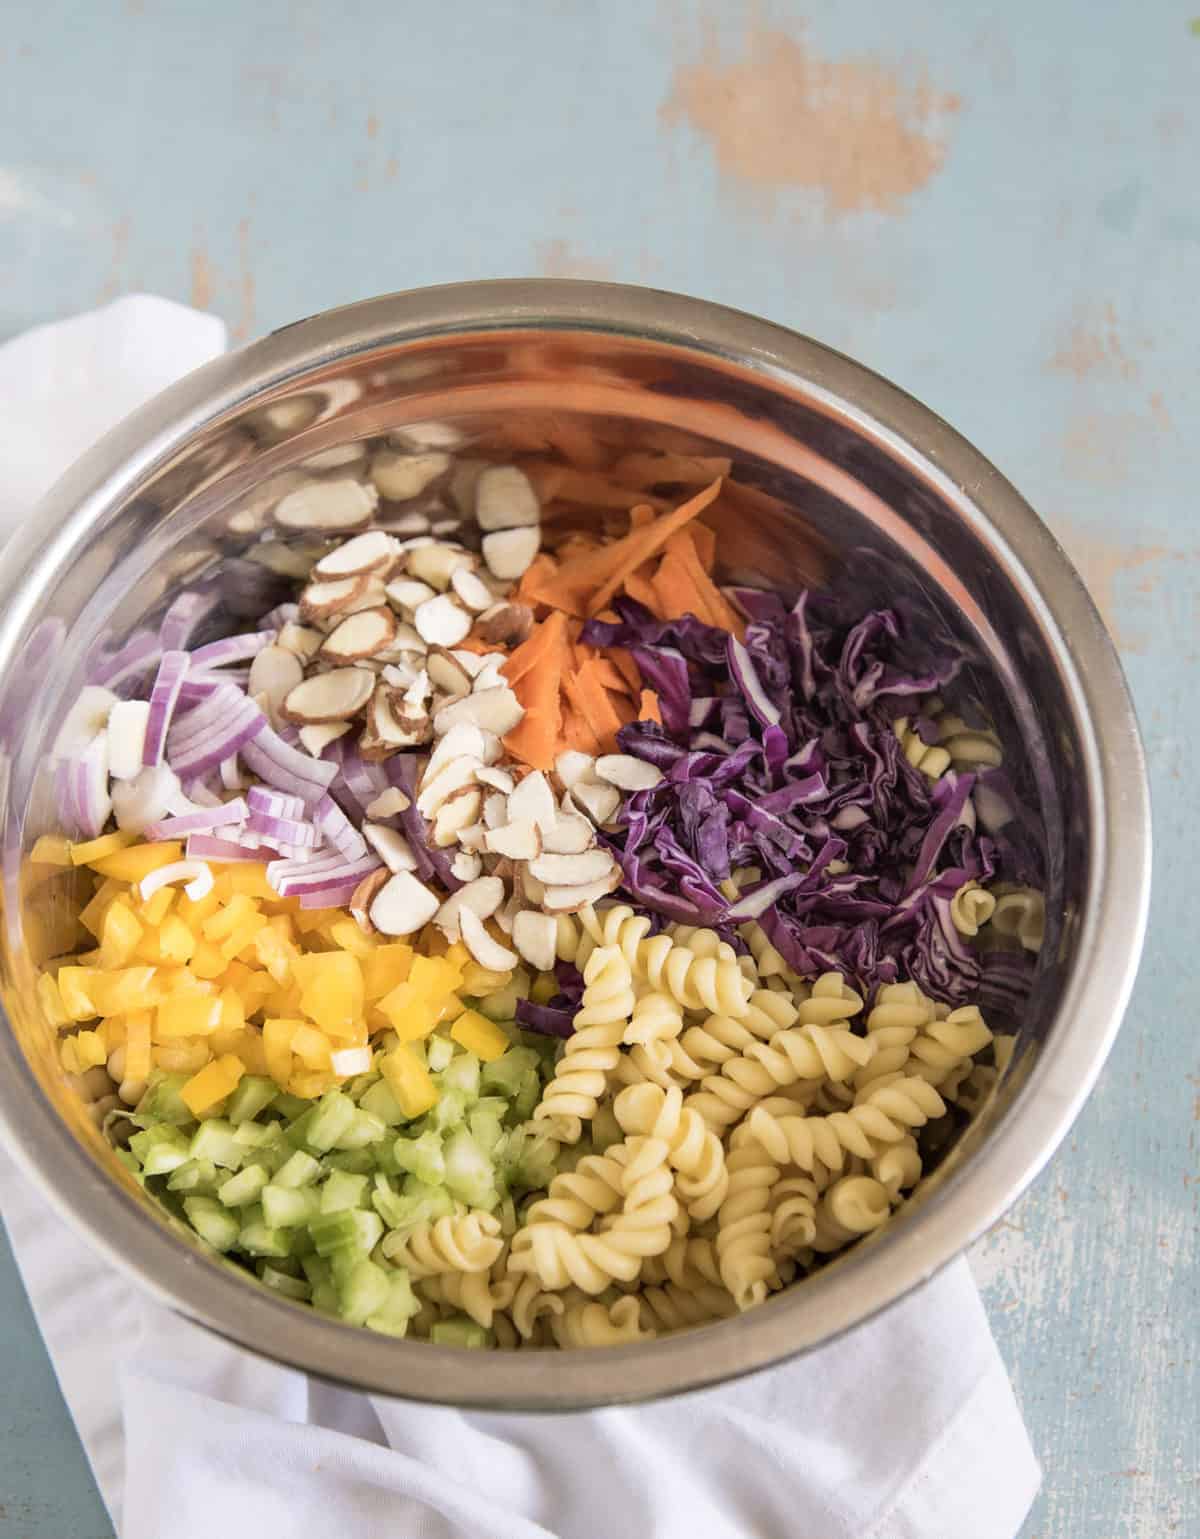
(409, 1080)
(478, 982)
(182, 1057)
(92, 850)
(51, 1001)
(458, 955)
(139, 860)
(129, 988)
(311, 1046)
(277, 1043)
(213, 1083)
(137, 1046)
(479, 1035)
(149, 949)
(195, 911)
(206, 960)
(411, 1019)
(275, 947)
(119, 935)
(75, 986)
(113, 1030)
(386, 967)
(186, 1015)
(183, 980)
(249, 1048)
(157, 906)
(309, 920)
(51, 850)
(242, 936)
(331, 989)
(89, 1050)
(228, 917)
(346, 934)
(91, 916)
(233, 1013)
(176, 943)
(250, 880)
(308, 1084)
(67, 1056)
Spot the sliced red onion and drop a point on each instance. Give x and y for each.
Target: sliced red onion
(282, 831)
(194, 873)
(147, 798)
(274, 804)
(164, 696)
(349, 1061)
(232, 649)
(213, 730)
(200, 686)
(183, 617)
(136, 658)
(363, 780)
(287, 768)
(231, 774)
(206, 847)
(335, 889)
(202, 822)
(126, 732)
(92, 803)
(336, 829)
(290, 734)
(202, 795)
(87, 716)
(314, 878)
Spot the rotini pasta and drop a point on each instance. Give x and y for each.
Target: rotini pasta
(851, 1207)
(577, 1197)
(590, 1054)
(473, 1293)
(803, 1052)
(943, 1047)
(693, 1150)
(465, 1242)
(900, 1011)
(1020, 912)
(586, 1323)
(971, 906)
(969, 747)
(897, 1167)
(793, 1215)
(744, 1223)
(668, 1307)
(884, 1115)
(932, 759)
(656, 1018)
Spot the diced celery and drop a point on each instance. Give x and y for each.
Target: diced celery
(486, 1128)
(196, 1176)
(280, 1282)
(290, 1107)
(162, 1101)
(316, 1269)
(381, 1103)
(526, 1098)
(211, 1222)
(388, 1203)
(300, 1169)
(287, 1207)
(123, 1157)
(258, 1238)
(527, 1159)
(421, 1157)
(357, 1087)
(302, 1243)
(296, 1132)
(469, 1173)
(160, 1149)
(256, 1135)
(350, 1230)
(363, 1129)
(422, 1203)
(449, 1112)
(398, 1308)
(461, 1075)
(343, 1191)
(254, 1094)
(332, 1117)
(438, 1053)
(459, 1331)
(500, 1005)
(243, 1188)
(363, 1291)
(359, 1162)
(505, 1075)
(325, 1299)
(213, 1140)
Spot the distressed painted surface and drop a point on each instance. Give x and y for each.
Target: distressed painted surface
(995, 205)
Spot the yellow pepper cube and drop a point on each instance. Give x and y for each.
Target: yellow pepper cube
(386, 967)
(411, 1018)
(91, 916)
(233, 1014)
(250, 880)
(89, 1049)
(331, 990)
(51, 1001)
(345, 934)
(308, 921)
(251, 1051)
(197, 911)
(137, 1046)
(51, 850)
(277, 1044)
(182, 1057)
(242, 936)
(206, 961)
(311, 1046)
(308, 1084)
(479, 1035)
(458, 955)
(67, 1056)
(187, 1015)
(130, 988)
(478, 982)
(157, 906)
(213, 1083)
(148, 948)
(275, 947)
(74, 986)
(228, 917)
(113, 1031)
(139, 860)
(176, 943)
(92, 850)
(409, 1079)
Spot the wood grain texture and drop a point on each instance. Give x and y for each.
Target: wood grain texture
(1015, 238)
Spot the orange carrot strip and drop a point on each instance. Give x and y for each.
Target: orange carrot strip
(640, 469)
(705, 541)
(641, 544)
(640, 516)
(677, 594)
(483, 648)
(623, 662)
(717, 609)
(649, 709)
(624, 707)
(547, 646)
(590, 698)
(537, 738)
(642, 589)
(576, 732)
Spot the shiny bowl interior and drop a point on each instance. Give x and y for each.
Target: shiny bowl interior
(840, 480)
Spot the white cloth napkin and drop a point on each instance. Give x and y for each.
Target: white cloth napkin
(906, 1429)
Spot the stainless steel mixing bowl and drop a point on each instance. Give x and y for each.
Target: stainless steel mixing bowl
(843, 480)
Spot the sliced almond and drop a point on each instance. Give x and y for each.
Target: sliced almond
(419, 436)
(509, 553)
(569, 834)
(464, 480)
(341, 505)
(627, 773)
(446, 672)
(442, 621)
(487, 952)
(413, 521)
(335, 696)
(446, 528)
(401, 477)
(572, 766)
(472, 661)
(392, 730)
(494, 710)
(402, 905)
(283, 558)
(473, 838)
(491, 675)
(364, 895)
(336, 458)
(388, 804)
(535, 892)
(498, 779)
(416, 694)
(505, 499)
(436, 562)
(317, 739)
(299, 639)
(597, 800)
(391, 847)
(463, 741)
(482, 897)
(361, 635)
(275, 672)
(533, 799)
(495, 810)
(459, 810)
(504, 916)
(476, 595)
(407, 592)
(321, 600)
(374, 552)
(569, 900)
(517, 841)
(536, 938)
(371, 597)
(407, 640)
(450, 777)
(505, 624)
(592, 865)
(466, 865)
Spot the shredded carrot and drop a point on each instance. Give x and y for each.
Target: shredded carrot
(547, 645)
(640, 544)
(642, 589)
(682, 585)
(640, 469)
(627, 668)
(576, 732)
(588, 695)
(649, 709)
(640, 516)
(705, 541)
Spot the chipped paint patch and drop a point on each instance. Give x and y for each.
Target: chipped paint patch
(559, 259)
(1105, 566)
(203, 277)
(779, 118)
(1091, 343)
(245, 319)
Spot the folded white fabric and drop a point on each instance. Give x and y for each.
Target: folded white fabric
(906, 1429)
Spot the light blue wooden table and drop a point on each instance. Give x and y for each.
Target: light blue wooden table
(998, 206)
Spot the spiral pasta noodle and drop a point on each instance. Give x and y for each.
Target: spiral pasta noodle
(969, 747)
(668, 1307)
(899, 1013)
(883, 1116)
(945, 1047)
(590, 1054)
(744, 1222)
(656, 1018)
(897, 1167)
(803, 1052)
(577, 1197)
(970, 907)
(932, 759)
(586, 1323)
(850, 1208)
(464, 1242)
(697, 982)
(793, 1215)
(694, 1151)
(473, 1293)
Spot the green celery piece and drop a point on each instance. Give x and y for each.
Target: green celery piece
(199, 1176)
(387, 1202)
(352, 1229)
(212, 1222)
(448, 1113)
(254, 1094)
(363, 1129)
(359, 1162)
(461, 1075)
(421, 1157)
(257, 1135)
(528, 1159)
(325, 1299)
(289, 1287)
(470, 1175)
(287, 1207)
(302, 1244)
(316, 1269)
(438, 1053)
(244, 1187)
(300, 1169)
(123, 1157)
(362, 1292)
(332, 1117)
(398, 1308)
(258, 1238)
(501, 1006)
(503, 1076)
(381, 1103)
(213, 1140)
(296, 1133)
(485, 1128)
(162, 1101)
(357, 1087)
(160, 1149)
(343, 1191)
(528, 1095)
(459, 1331)
(291, 1107)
